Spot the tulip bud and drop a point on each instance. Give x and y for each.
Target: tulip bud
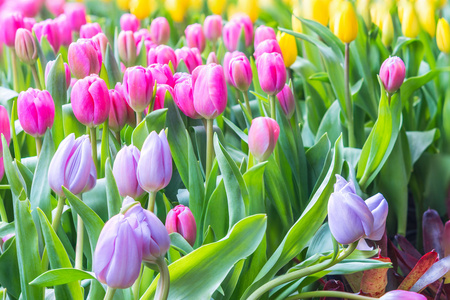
(262, 137)
(129, 22)
(443, 35)
(160, 30)
(190, 56)
(217, 6)
(138, 85)
(212, 58)
(10, 235)
(89, 30)
(426, 16)
(25, 46)
(180, 219)
(271, 72)
(162, 55)
(402, 295)
(140, 8)
(161, 90)
(162, 74)
(288, 48)
(183, 96)
(49, 66)
(379, 208)
(387, 28)
(127, 48)
(155, 165)
(247, 24)
(346, 23)
(72, 166)
(212, 27)
(90, 101)
(120, 112)
(195, 37)
(267, 46)
(287, 102)
(410, 24)
(84, 58)
(263, 33)
(76, 14)
(177, 9)
(118, 254)
(4, 127)
(231, 33)
(316, 10)
(226, 63)
(65, 30)
(240, 73)
(49, 29)
(125, 172)
(392, 74)
(101, 41)
(36, 111)
(9, 25)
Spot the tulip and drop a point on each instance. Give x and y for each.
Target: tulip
(217, 6)
(76, 14)
(127, 48)
(161, 90)
(89, 30)
(162, 74)
(84, 58)
(346, 22)
(263, 33)
(426, 16)
(49, 66)
(271, 72)
(379, 208)
(402, 295)
(349, 217)
(190, 56)
(2, 168)
(4, 127)
(180, 219)
(240, 73)
(65, 30)
(72, 166)
(129, 22)
(141, 36)
(296, 23)
(56, 7)
(138, 85)
(36, 111)
(90, 101)
(247, 24)
(443, 36)
(226, 63)
(181, 76)
(118, 254)
(212, 58)
(287, 102)
(209, 90)
(288, 47)
(387, 28)
(160, 30)
(125, 172)
(29, 8)
(9, 25)
(9, 235)
(49, 29)
(267, 46)
(183, 96)
(177, 9)
(212, 27)
(101, 41)
(155, 165)
(140, 8)
(410, 24)
(120, 112)
(248, 7)
(162, 55)
(123, 4)
(231, 34)
(316, 10)
(29, 23)
(195, 37)
(392, 74)
(262, 137)
(25, 46)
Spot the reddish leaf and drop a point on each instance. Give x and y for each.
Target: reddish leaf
(333, 285)
(405, 261)
(419, 269)
(432, 232)
(407, 246)
(374, 281)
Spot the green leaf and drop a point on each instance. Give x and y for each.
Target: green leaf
(112, 192)
(6, 95)
(70, 122)
(419, 141)
(317, 157)
(349, 266)
(104, 76)
(17, 185)
(320, 76)
(330, 123)
(154, 121)
(216, 214)
(179, 243)
(105, 149)
(112, 68)
(254, 179)
(9, 270)
(61, 276)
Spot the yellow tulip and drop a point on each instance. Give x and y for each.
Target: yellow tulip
(316, 10)
(378, 11)
(346, 23)
(177, 9)
(387, 30)
(425, 12)
(296, 23)
(288, 47)
(362, 6)
(443, 36)
(332, 9)
(410, 24)
(123, 4)
(196, 5)
(140, 8)
(440, 3)
(249, 7)
(217, 6)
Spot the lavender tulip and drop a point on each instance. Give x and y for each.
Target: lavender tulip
(160, 30)
(180, 219)
(85, 58)
(263, 137)
(125, 172)
(271, 72)
(212, 27)
(287, 102)
(162, 55)
(89, 30)
(392, 74)
(138, 85)
(50, 65)
(5, 128)
(36, 111)
(240, 73)
(195, 37)
(379, 208)
(129, 22)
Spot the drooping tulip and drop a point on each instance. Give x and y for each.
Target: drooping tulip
(271, 72)
(195, 37)
(76, 14)
(267, 46)
(9, 26)
(5, 128)
(120, 113)
(84, 58)
(129, 22)
(240, 73)
(138, 85)
(125, 172)
(212, 27)
(263, 33)
(262, 137)
(190, 56)
(160, 30)
(162, 55)
(287, 102)
(49, 66)
(89, 30)
(180, 219)
(25, 46)
(392, 73)
(127, 48)
(36, 111)
(183, 96)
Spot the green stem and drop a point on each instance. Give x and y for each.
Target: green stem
(38, 145)
(14, 69)
(117, 134)
(79, 246)
(209, 146)
(334, 294)
(137, 284)
(247, 104)
(59, 208)
(93, 136)
(3, 211)
(273, 105)
(36, 76)
(5, 186)
(138, 118)
(151, 201)
(295, 275)
(162, 290)
(109, 293)
(348, 98)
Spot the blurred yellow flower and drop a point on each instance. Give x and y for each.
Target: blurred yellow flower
(387, 30)
(426, 12)
(316, 10)
(332, 9)
(217, 6)
(123, 4)
(410, 23)
(346, 23)
(443, 36)
(249, 7)
(296, 23)
(288, 47)
(196, 4)
(140, 8)
(177, 9)
(362, 7)
(378, 11)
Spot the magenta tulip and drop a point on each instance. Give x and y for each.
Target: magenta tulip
(271, 72)
(160, 30)
(49, 66)
(102, 43)
(263, 33)
(36, 111)
(125, 172)
(183, 96)
(90, 101)
(226, 63)
(129, 22)
(231, 34)
(138, 85)
(402, 295)
(262, 137)
(143, 37)
(49, 29)
(120, 113)
(9, 25)
(29, 23)
(240, 73)
(84, 58)
(56, 7)
(212, 27)
(392, 73)
(287, 102)
(65, 30)
(191, 57)
(89, 30)
(212, 58)
(2, 168)
(180, 219)
(247, 24)
(267, 46)
(5, 128)
(76, 14)
(161, 91)
(127, 48)
(25, 46)
(195, 38)
(162, 74)
(162, 55)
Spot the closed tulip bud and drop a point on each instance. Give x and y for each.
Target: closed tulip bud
(316, 10)
(426, 16)
(160, 30)
(84, 58)
(392, 73)
(180, 219)
(443, 36)
(162, 74)
(118, 254)
(102, 43)
(387, 28)
(296, 23)
(90, 101)
(65, 30)
(162, 55)
(138, 85)
(9, 25)
(155, 165)
(129, 22)
(349, 217)
(49, 29)
(4, 127)
(120, 113)
(140, 8)
(263, 33)
(25, 46)
(210, 90)
(241, 74)
(36, 111)
(184, 98)
(190, 56)
(177, 9)
(271, 72)
(346, 23)
(247, 24)
(161, 91)
(212, 58)
(195, 37)
(287, 102)
(410, 24)
(231, 34)
(262, 137)
(76, 14)
(402, 295)
(127, 48)
(288, 48)
(379, 208)
(49, 66)
(72, 166)
(267, 46)
(89, 30)
(212, 27)
(125, 172)
(217, 6)
(226, 63)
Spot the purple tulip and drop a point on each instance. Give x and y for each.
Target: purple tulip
(231, 33)
(180, 219)
(162, 55)
(160, 30)
(129, 22)
(76, 14)
(120, 113)
(5, 128)
(84, 58)
(402, 295)
(263, 33)
(240, 73)
(72, 166)
(155, 165)
(392, 73)
(65, 30)
(267, 46)
(9, 25)
(89, 30)
(212, 58)
(184, 97)
(90, 101)
(287, 102)
(191, 57)
(210, 90)
(118, 254)
(125, 172)
(195, 38)
(49, 66)
(379, 208)
(263, 137)
(138, 85)
(101, 41)
(271, 72)
(162, 74)
(36, 111)
(127, 48)
(226, 63)
(212, 27)
(25, 46)
(49, 29)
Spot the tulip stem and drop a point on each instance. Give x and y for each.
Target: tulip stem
(162, 290)
(109, 293)
(36, 76)
(38, 145)
(3, 211)
(348, 99)
(59, 208)
(247, 104)
(117, 134)
(334, 294)
(295, 275)
(14, 69)
(137, 284)
(151, 201)
(138, 118)
(209, 146)
(273, 99)
(93, 136)
(79, 246)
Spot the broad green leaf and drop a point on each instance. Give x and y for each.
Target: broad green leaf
(179, 243)
(154, 121)
(11, 172)
(254, 179)
(330, 124)
(112, 192)
(9, 270)
(104, 76)
(317, 157)
(61, 276)
(349, 266)
(70, 122)
(321, 242)
(6, 95)
(216, 214)
(112, 68)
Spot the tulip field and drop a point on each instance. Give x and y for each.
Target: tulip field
(224, 149)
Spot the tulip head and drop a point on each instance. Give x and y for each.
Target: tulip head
(9, 25)
(49, 29)
(184, 97)
(410, 23)
(162, 74)
(426, 16)
(85, 58)
(402, 295)
(129, 22)
(190, 56)
(138, 85)
(76, 14)
(125, 172)
(65, 30)
(231, 34)
(160, 96)
(226, 63)
(5, 128)
(195, 37)
(240, 73)
(296, 23)
(392, 73)
(29, 23)
(36, 111)
(271, 72)
(387, 30)
(162, 55)
(120, 113)
(212, 27)
(262, 137)
(180, 219)
(379, 208)
(346, 22)
(160, 30)
(212, 58)
(263, 33)
(140, 8)
(25, 46)
(443, 35)
(89, 30)
(288, 47)
(217, 6)
(102, 42)
(177, 9)
(247, 25)
(287, 102)
(267, 46)
(317, 10)
(127, 48)
(50, 65)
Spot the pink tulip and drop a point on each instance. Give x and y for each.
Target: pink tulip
(129, 22)
(183, 96)
(180, 219)
(56, 7)
(262, 137)
(29, 23)
(9, 25)
(240, 73)
(2, 168)
(76, 14)
(49, 29)
(125, 172)
(191, 57)
(195, 37)
(127, 47)
(392, 74)
(65, 30)
(84, 58)
(29, 8)
(36, 111)
(231, 34)
(162, 55)
(247, 24)
(90, 101)
(402, 295)
(161, 90)
(138, 85)
(267, 46)
(160, 30)
(263, 33)
(142, 35)
(226, 63)
(120, 112)
(287, 102)
(212, 58)
(271, 72)
(5, 128)
(162, 74)
(49, 66)
(212, 27)
(210, 90)
(88, 30)
(102, 43)
(26, 48)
